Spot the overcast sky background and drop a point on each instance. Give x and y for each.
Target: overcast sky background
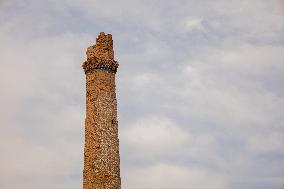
(199, 88)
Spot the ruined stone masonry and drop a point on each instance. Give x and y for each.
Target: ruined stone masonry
(101, 152)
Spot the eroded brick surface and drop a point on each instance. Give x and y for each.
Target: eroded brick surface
(101, 152)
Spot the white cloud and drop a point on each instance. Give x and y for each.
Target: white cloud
(153, 136)
(26, 163)
(171, 176)
(192, 23)
(234, 79)
(41, 124)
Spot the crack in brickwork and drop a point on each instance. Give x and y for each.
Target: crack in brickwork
(101, 152)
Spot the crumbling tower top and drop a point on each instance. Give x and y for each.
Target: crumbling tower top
(101, 55)
(103, 48)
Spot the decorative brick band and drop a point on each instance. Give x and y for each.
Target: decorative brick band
(93, 64)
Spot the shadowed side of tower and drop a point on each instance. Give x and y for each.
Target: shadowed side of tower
(101, 152)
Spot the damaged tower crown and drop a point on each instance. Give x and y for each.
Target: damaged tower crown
(101, 54)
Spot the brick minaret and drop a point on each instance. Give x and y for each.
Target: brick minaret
(101, 152)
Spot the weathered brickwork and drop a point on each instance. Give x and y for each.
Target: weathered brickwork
(101, 153)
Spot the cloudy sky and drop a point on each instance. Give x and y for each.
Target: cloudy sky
(200, 92)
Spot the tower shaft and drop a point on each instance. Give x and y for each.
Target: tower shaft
(101, 151)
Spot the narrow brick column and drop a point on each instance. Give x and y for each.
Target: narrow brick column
(101, 152)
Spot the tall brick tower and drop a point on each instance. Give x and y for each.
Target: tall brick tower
(101, 152)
